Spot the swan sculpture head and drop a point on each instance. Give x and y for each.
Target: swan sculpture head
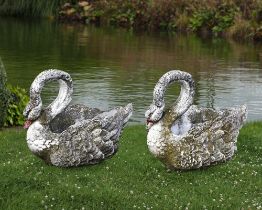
(34, 109)
(184, 101)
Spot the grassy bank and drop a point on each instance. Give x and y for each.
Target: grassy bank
(132, 179)
(31, 8)
(239, 19)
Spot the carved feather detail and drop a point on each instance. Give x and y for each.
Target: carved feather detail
(187, 137)
(71, 135)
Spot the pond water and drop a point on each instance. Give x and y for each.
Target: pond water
(113, 67)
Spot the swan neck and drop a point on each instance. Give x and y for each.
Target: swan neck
(186, 97)
(64, 96)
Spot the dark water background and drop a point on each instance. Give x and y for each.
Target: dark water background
(113, 67)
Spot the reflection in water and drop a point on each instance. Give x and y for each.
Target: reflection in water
(112, 67)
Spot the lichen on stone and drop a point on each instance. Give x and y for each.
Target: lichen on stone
(187, 137)
(67, 135)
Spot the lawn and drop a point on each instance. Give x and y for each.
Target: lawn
(132, 179)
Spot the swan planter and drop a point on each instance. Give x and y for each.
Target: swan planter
(70, 135)
(186, 137)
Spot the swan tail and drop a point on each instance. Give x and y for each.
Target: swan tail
(243, 113)
(232, 125)
(112, 123)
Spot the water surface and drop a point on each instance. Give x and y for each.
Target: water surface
(113, 67)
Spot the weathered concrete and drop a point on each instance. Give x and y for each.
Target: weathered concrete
(71, 135)
(187, 137)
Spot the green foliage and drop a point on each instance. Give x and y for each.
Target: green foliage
(12, 102)
(200, 19)
(132, 179)
(224, 18)
(207, 17)
(32, 8)
(122, 13)
(211, 16)
(215, 21)
(17, 102)
(124, 16)
(4, 95)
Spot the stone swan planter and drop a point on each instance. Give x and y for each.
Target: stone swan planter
(71, 135)
(186, 137)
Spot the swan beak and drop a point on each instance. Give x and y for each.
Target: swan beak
(149, 124)
(27, 124)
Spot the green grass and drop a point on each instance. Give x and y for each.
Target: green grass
(132, 179)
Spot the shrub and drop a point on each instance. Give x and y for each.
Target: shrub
(215, 20)
(12, 102)
(75, 12)
(182, 23)
(162, 14)
(200, 20)
(123, 13)
(258, 34)
(17, 102)
(241, 29)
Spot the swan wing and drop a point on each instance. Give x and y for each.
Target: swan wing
(72, 114)
(112, 124)
(218, 133)
(76, 145)
(92, 140)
